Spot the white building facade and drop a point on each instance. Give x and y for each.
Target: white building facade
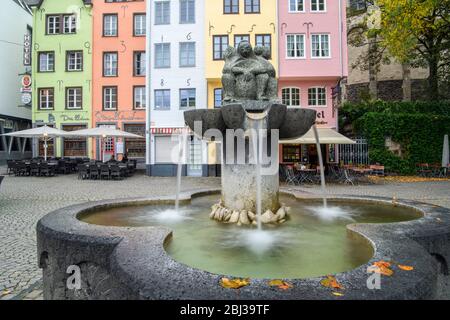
(15, 112)
(176, 83)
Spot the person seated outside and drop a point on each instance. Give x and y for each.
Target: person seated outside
(125, 158)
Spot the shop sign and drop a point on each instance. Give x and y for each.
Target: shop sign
(26, 81)
(27, 50)
(73, 117)
(118, 116)
(26, 98)
(168, 130)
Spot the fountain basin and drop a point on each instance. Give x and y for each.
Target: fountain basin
(132, 263)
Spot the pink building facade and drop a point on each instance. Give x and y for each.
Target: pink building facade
(119, 60)
(312, 62)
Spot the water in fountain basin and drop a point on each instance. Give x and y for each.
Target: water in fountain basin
(301, 248)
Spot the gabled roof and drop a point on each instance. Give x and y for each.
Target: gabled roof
(38, 3)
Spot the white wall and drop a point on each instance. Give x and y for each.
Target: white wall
(13, 26)
(176, 78)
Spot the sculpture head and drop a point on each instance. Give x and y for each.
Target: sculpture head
(262, 52)
(229, 52)
(245, 49)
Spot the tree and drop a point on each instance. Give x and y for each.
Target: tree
(417, 32)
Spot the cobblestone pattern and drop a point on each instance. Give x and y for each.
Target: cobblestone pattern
(24, 200)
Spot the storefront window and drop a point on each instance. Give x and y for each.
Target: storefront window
(75, 147)
(291, 153)
(135, 148)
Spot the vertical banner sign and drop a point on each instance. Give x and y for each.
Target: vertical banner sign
(27, 50)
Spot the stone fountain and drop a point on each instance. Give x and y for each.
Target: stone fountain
(251, 108)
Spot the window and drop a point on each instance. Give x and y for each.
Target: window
(230, 6)
(318, 6)
(162, 99)
(46, 99)
(74, 61)
(295, 46)
(317, 96)
(139, 64)
(70, 24)
(139, 97)
(162, 12)
(46, 62)
(218, 98)
(61, 24)
(109, 98)
(187, 11)
(139, 25)
(135, 148)
(53, 24)
(358, 4)
(110, 26)
(110, 64)
(239, 38)
(74, 98)
(74, 147)
(264, 40)
(291, 96)
(187, 54)
(187, 98)
(291, 153)
(320, 46)
(296, 6)
(220, 45)
(162, 55)
(252, 6)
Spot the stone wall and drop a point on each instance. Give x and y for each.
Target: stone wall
(388, 90)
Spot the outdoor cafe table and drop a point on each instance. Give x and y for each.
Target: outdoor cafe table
(306, 175)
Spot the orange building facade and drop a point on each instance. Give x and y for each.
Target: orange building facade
(119, 95)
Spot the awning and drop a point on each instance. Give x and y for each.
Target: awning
(326, 136)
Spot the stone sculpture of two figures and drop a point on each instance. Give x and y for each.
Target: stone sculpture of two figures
(248, 75)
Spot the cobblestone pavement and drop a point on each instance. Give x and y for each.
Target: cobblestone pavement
(24, 200)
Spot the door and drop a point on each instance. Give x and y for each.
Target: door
(107, 145)
(194, 165)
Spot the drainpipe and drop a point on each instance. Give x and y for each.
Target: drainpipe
(341, 49)
(148, 130)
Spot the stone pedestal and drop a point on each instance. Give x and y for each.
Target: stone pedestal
(239, 189)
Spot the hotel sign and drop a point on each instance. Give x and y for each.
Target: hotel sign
(27, 50)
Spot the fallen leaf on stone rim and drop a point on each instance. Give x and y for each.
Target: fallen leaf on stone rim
(283, 285)
(381, 269)
(338, 294)
(331, 282)
(234, 283)
(405, 268)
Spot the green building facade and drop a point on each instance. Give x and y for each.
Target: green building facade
(62, 72)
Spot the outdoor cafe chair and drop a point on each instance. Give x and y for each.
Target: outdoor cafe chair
(21, 169)
(34, 169)
(11, 167)
(116, 173)
(104, 171)
(93, 172)
(83, 172)
(291, 178)
(46, 170)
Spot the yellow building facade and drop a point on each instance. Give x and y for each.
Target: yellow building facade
(227, 23)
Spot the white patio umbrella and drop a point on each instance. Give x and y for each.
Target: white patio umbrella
(445, 152)
(43, 132)
(103, 133)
